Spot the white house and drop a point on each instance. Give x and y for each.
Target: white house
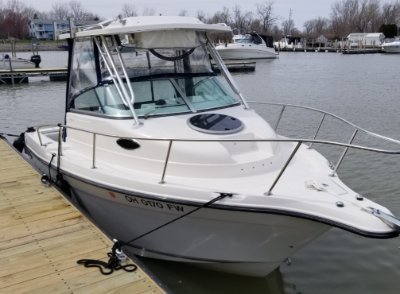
(47, 29)
(365, 40)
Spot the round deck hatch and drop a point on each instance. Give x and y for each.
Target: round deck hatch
(215, 123)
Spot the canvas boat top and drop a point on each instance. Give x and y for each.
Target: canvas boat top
(149, 24)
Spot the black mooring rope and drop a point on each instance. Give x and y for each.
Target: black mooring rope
(113, 264)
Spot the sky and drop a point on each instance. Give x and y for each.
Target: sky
(301, 10)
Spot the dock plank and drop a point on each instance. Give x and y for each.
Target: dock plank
(42, 236)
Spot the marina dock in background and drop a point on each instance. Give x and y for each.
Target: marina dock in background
(43, 236)
(19, 76)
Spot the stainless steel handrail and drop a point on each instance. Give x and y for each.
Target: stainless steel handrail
(356, 129)
(324, 113)
(298, 141)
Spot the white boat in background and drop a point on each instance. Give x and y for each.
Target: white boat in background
(10, 63)
(391, 47)
(167, 156)
(248, 46)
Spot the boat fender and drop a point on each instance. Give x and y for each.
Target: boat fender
(46, 179)
(19, 143)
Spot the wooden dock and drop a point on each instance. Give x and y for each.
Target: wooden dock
(18, 76)
(42, 236)
(237, 66)
(363, 51)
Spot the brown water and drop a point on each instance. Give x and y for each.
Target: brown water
(364, 89)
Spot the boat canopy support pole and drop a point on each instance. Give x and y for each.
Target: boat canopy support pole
(215, 56)
(112, 69)
(125, 73)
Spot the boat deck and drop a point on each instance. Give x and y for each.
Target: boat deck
(42, 236)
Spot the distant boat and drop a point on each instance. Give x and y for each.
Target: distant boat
(8, 62)
(248, 46)
(391, 47)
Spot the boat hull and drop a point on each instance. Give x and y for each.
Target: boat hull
(242, 242)
(228, 239)
(391, 47)
(237, 51)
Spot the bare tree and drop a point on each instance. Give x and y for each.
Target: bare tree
(149, 11)
(368, 16)
(76, 11)
(223, 16)
(241, 21)
(201, 15)
(14, 19)
(342, 17)
(316, 27)
(238, 19)
(391, 13)
(183, 12)
(277, 33)
(128, 10)
(288, 25)
(267, 18)
(60, 11)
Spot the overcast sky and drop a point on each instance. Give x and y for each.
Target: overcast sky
(302, 10)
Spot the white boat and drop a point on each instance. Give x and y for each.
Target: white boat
(391, 47)
(248, 46)
(9, 62)
(167, 157)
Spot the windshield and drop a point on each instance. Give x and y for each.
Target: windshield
(152, 82)
(174, 95)
(158, 96)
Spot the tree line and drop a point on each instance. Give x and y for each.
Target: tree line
(347, 16)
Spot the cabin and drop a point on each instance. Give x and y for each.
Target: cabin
(289, 42)
(365, 40)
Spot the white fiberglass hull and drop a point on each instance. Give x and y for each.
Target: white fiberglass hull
(227, 235)
(393, 47)
(224, 238)
(246, 51)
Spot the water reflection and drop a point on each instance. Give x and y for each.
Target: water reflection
(187, 279)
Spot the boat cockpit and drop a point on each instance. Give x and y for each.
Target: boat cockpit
(145, 76)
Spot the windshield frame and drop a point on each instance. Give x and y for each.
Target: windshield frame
(127, 95)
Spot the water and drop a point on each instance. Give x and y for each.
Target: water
(361, 88)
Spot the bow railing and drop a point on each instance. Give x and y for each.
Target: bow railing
(297, 142)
